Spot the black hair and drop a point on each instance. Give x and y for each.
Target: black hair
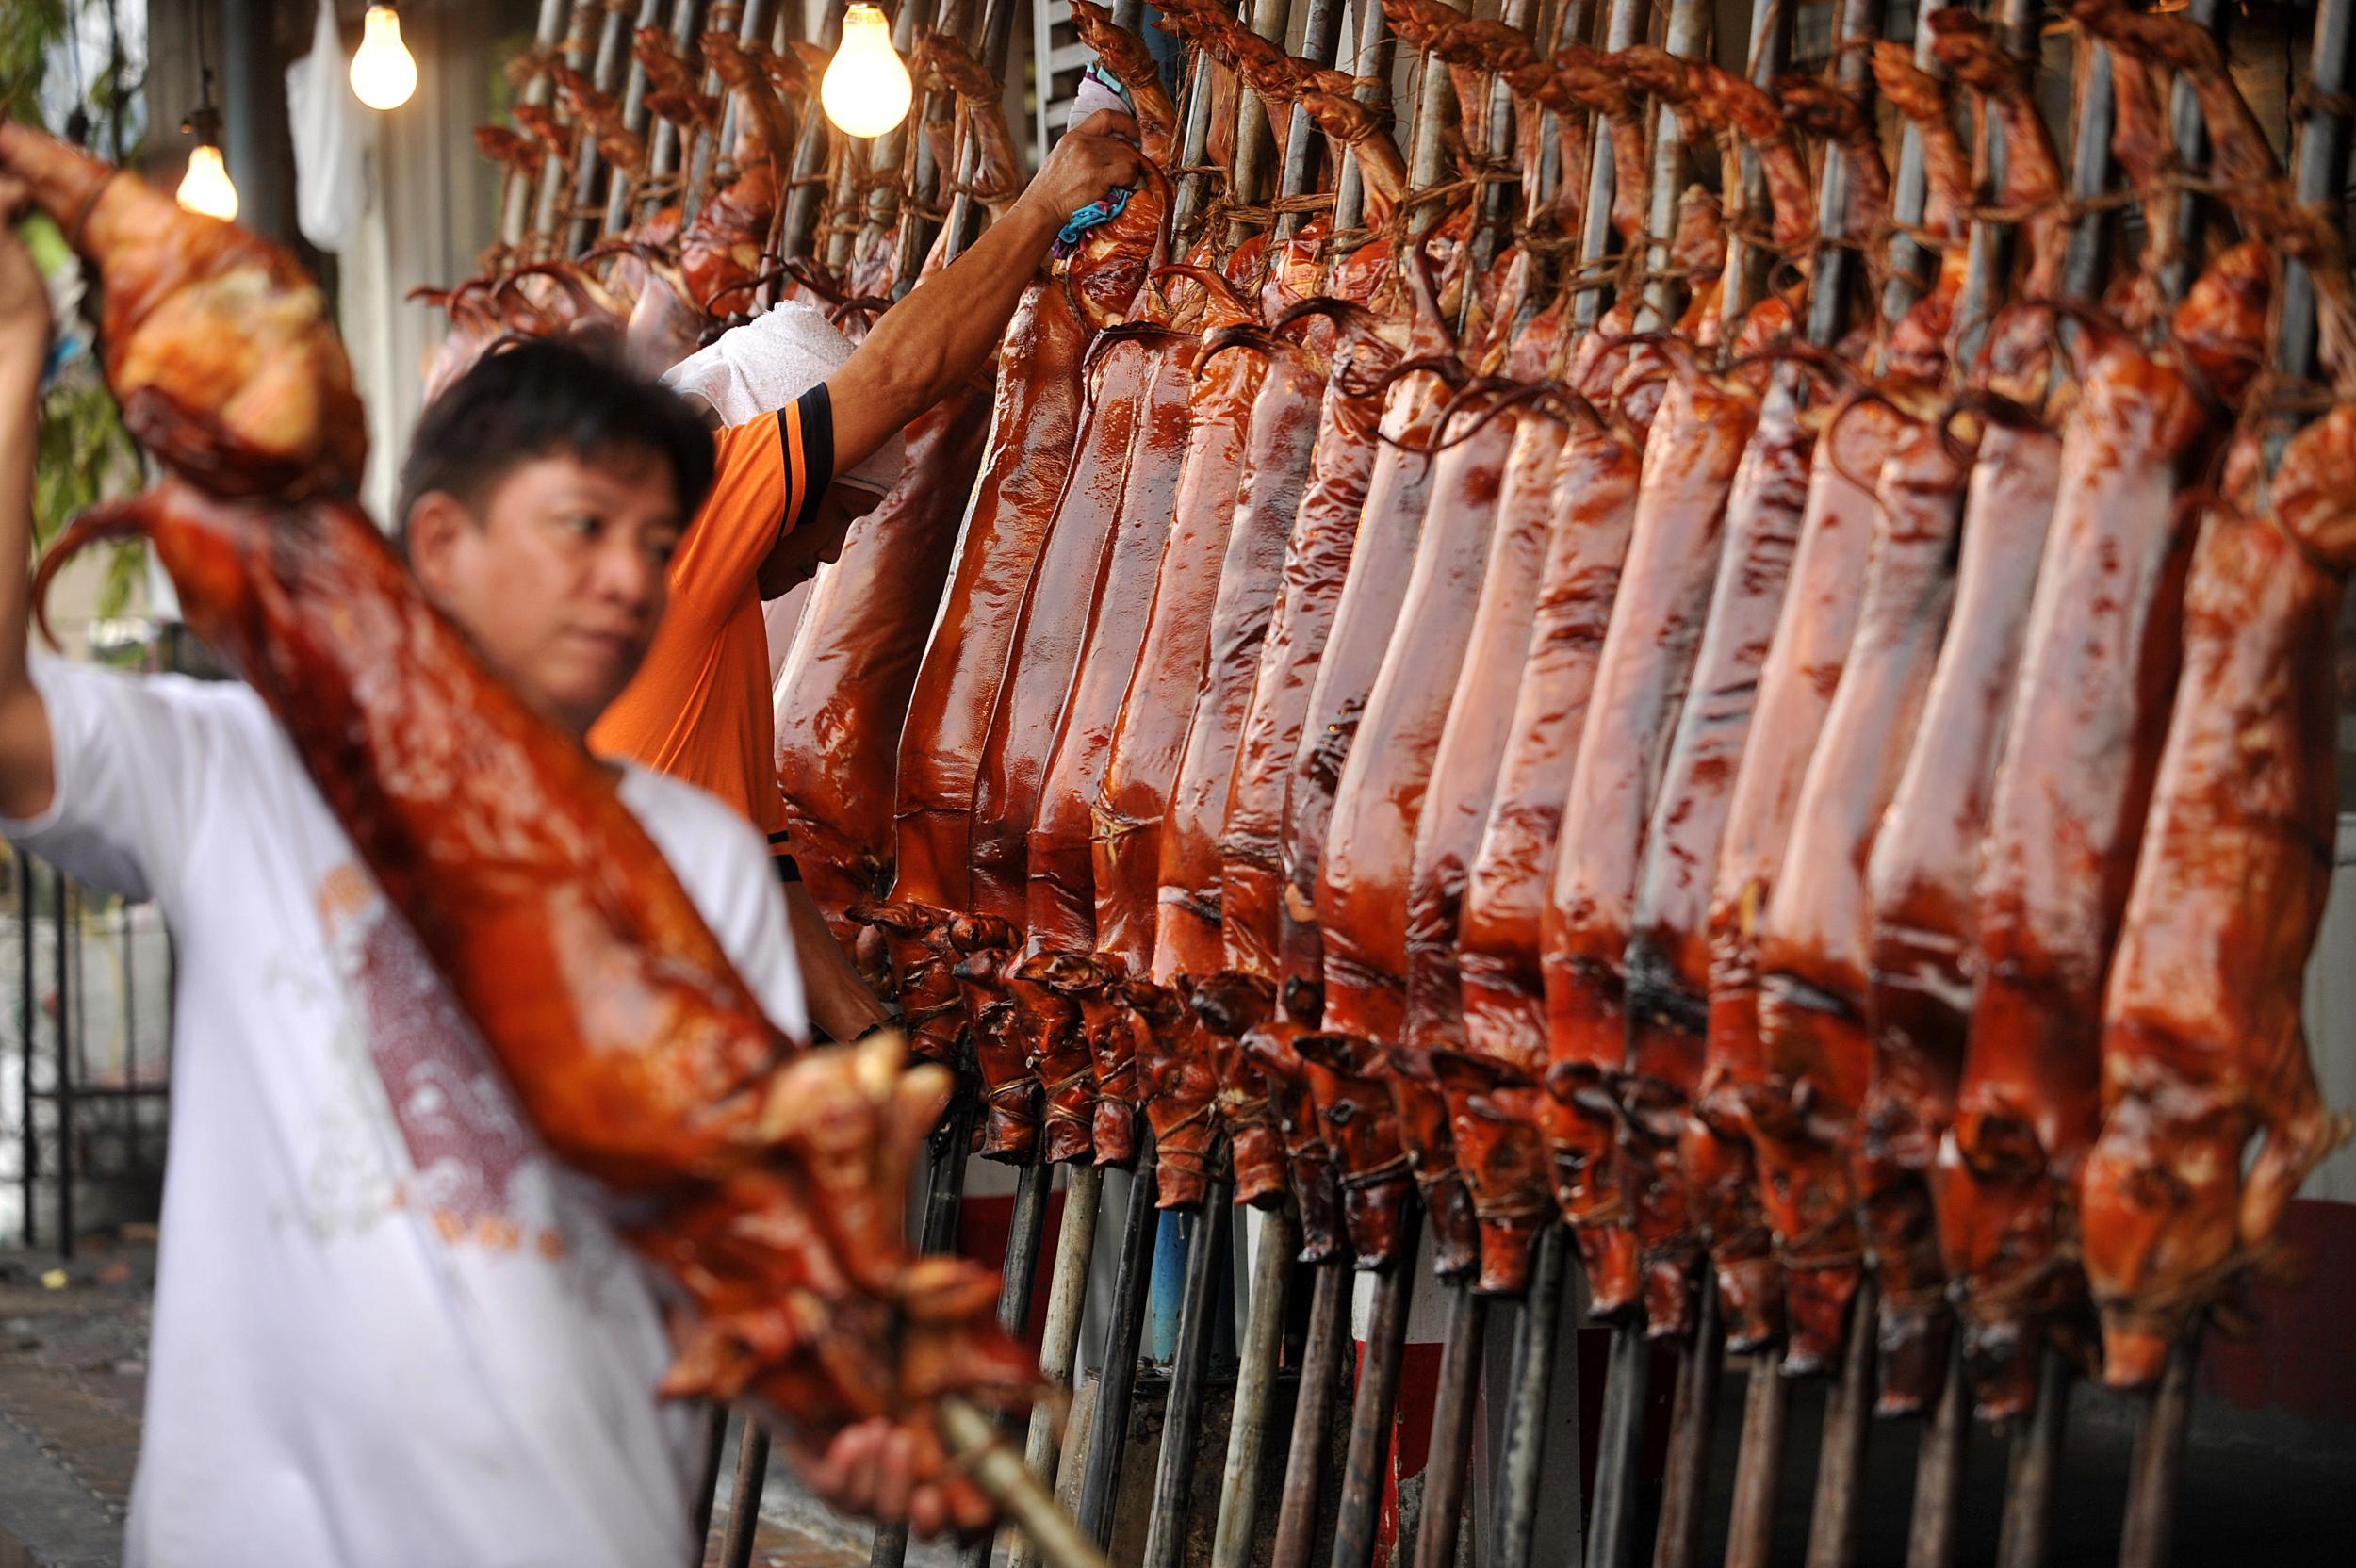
(537, 397)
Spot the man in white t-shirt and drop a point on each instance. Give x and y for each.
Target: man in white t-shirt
(387, 1327)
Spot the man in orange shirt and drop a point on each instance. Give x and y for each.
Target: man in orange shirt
(700, 706)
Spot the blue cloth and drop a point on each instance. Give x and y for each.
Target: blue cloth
(1088, 217)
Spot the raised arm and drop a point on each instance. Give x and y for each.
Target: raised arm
(27, 764)
(931, 342)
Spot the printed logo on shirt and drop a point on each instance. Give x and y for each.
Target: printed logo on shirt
(476, 1173)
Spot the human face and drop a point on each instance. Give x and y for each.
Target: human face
(561, 579)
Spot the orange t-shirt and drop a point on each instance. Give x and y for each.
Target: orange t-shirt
(700, 707)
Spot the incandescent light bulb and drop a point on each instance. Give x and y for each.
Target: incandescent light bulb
(866, 91)
(383, 75)
(205, 187)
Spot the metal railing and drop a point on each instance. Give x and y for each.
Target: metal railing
(86, 1074)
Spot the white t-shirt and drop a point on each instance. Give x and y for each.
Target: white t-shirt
(387, 1327)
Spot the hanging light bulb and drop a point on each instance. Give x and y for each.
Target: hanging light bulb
(383, 75)
(205, 187)
(866, 91)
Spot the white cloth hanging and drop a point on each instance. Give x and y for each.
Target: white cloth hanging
(331, 140)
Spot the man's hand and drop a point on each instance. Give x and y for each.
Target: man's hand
(1093, 157)
(24, 324)
(872, 1470)
(932, 342)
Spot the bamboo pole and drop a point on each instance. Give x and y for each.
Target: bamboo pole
(799, 197)
(1448, 1468)
(665, 153)
(1108, 1432)
(1612, 1514)
(1173, 1472)
(517, 202)
(1371, 62)
(1374, 1405)
(889, 153)
(974, 1440)
(1321, 31)
(945, 1194)
(1269, 19)
(1025, 1232)
(635, 117)
(752, 1471)
(1625, 26)
(613, 49)
(1255, 1382)
(1840, 1474)
(580, 41)
(1322, 1361)
(1532, 1385)
(1937, 1521)
(1693, 1421)
(2036, 1457)
(1075, 1244)
(1766, 1416)
(714, 153)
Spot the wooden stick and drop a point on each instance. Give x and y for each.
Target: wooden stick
(1693, 1420)
(752, 1472)
(1025, 1231)
(1132, 1279)
(1526, 1399)
(1198, 1306)
(2150, 1534)
(716, 1441)
(1759, 1464)
(1841, 1464)
(1322, 1361)
(974, 1440)
(613, 49)
(1372, 1409)
(2035, 1456)
(1937, 1519)
(1449, 1466)
(945, 1194)
(580, 53)
(1255, 1383)
(1075, 1244)
(665, 153)
(1612, 1515)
